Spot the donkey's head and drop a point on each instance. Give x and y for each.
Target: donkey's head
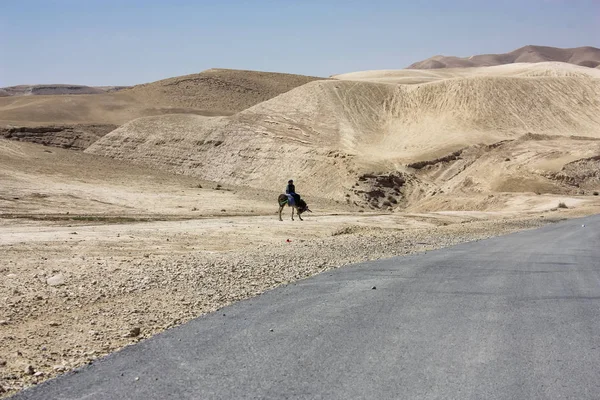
(302, 207)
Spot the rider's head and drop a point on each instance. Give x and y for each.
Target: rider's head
(290, 181)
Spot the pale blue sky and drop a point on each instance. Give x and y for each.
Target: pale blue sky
(109, 42)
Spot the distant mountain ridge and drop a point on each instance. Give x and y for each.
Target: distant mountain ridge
(584, 56)
(56, 89)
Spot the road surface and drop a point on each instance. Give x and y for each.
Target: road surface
(513, 317)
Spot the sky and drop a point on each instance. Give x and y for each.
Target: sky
(108, 42)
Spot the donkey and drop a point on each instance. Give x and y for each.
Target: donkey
(300, 206)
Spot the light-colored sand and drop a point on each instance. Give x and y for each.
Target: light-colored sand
(418, 76)
(331, 134)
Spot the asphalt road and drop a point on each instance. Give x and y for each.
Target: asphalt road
(514, 317)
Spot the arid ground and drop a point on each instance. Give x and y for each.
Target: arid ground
(115, 227)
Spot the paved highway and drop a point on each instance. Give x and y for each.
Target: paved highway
(514, 317)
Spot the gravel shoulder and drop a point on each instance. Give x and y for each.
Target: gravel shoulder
(66, 304)
(97, 254)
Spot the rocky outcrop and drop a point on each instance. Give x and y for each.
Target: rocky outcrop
(76, 137)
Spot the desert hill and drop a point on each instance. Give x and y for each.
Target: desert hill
(54, 90)
(221, 91)
(583, 56)
(418, 76)
(75, 137)
(212, 92)
(486, 177)
(359, 142)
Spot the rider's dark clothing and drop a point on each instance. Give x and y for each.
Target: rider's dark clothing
(291, 190)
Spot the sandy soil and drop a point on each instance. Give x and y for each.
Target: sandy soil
(338, 132)
(211, 92)
(172, 216)
(419, 76)
(98, 254)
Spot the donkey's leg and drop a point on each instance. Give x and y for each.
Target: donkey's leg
(299, 216)
(292, 213)
(280, 210)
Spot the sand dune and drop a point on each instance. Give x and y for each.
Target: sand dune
(352, 141)
(584, 56)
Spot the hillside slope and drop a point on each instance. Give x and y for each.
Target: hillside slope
(584, 56)
(355, 141)
(419, 76)
(222, 91)
(483, 177)
(212, 92)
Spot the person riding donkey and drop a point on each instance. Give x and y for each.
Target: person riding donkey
(293, 200)
(290, 190)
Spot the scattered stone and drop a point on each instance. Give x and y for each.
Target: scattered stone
(39, 373)
(134, 331)
(3, 322)
(29, 370)
(137, 378)
(54, 323)
(2, 363)
(56, 280)
(374, 287)
(210, 280)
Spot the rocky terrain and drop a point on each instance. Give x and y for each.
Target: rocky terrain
(169, 211)
(66, 312)
(99, 253)
(348, 139)
(75, 137)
